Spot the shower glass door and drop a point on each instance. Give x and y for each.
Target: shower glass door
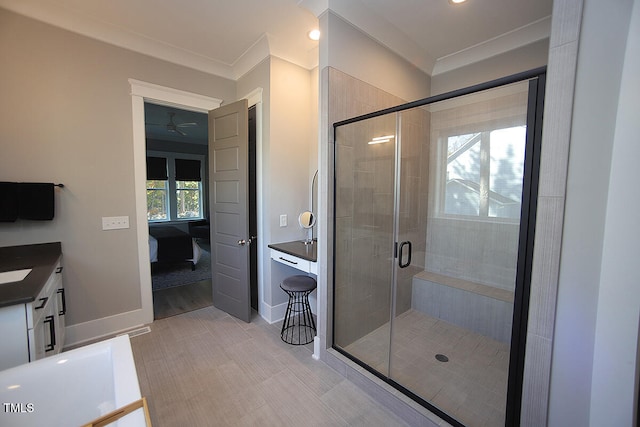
(365, 233)
(429, 246)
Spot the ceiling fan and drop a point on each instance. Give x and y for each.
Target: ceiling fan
(173, 127)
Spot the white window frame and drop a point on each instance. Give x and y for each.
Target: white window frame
(172, 202)
(442, 166)
(166, 199)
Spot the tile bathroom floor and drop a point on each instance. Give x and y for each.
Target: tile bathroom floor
(206, 368)
(471, 386)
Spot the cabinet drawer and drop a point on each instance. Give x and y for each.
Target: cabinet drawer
(44, 335)
(291, 261)
(35, 309)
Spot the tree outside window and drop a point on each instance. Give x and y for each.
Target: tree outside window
(156, 200)
(174, 187)
(484, 173)
(188, 199)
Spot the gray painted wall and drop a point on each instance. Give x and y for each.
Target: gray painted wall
(355, 53)
(66, 117)
(66, 111)
(289, 110)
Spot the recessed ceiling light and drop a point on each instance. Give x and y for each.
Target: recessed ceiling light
(457, 1)
(314, 34)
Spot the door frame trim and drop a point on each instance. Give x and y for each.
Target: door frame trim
(254, 98)
(140, 92)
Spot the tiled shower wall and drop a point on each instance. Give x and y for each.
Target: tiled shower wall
(414, 184)
(481, 251)
(365, 204)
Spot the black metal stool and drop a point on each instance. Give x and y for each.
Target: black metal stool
(298, 326)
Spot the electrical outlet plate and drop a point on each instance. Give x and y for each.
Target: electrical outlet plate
(115, 222)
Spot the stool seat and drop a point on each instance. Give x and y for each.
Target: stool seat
(298, 326)
(298, 283)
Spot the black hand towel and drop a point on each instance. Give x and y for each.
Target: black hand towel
(8, 201)
(36, 201)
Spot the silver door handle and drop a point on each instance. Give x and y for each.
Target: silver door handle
(243, 242)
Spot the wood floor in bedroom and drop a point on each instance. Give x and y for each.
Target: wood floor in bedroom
(181, 299)
(206, 368)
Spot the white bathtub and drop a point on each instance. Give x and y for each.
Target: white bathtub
(72, 388)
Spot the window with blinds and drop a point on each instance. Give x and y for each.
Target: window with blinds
(174, 187)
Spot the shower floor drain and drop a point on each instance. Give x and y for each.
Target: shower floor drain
(441, 358)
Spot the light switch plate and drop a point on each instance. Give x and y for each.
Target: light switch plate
(283, 220)
(115, 222)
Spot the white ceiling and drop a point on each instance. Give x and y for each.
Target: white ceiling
(228, 37)
(441, 29)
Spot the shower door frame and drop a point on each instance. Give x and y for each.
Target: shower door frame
(535, 106)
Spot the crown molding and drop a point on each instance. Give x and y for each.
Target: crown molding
(317, 7)
(70, 20)
(520, 37)
(252, 57)
(379, 29)
(80, 24)
(354, 11)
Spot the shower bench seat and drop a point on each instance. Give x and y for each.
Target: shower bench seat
(484, 309)
(467, 285)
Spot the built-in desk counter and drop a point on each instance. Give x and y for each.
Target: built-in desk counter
(297, 255)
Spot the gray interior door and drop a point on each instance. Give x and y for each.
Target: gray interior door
(228, 197)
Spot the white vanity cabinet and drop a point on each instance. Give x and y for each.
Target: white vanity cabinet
(45, 318)
(294, 261)
(34, 330)
(296, 254)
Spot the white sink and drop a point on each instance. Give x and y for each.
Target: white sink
(13, 276)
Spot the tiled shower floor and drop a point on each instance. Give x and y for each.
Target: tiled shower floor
(471, 386)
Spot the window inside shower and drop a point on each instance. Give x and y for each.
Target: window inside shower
(433, 223)
(483, 174)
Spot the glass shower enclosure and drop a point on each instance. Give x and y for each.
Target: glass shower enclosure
(434, 205)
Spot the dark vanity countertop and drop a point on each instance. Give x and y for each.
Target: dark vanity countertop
(299, 249)
(41, 258)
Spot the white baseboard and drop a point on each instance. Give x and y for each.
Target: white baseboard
(113, 325)
(101, 328)
(273, 314)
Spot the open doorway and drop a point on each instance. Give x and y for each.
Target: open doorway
(142, 92)
(177, 209)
